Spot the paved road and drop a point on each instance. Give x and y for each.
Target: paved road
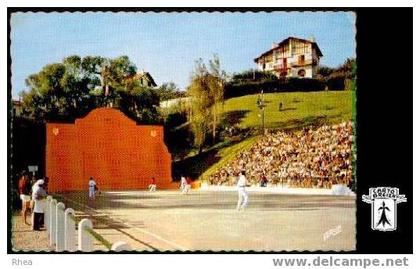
(207, 220)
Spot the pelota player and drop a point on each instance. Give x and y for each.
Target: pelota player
(92, 188)
(242, 194)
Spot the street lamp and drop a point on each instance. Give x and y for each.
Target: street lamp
(261, 106)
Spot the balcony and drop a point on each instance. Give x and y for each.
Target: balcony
(302, 63)
(280, 66)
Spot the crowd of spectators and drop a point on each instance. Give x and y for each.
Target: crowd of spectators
(311, 157)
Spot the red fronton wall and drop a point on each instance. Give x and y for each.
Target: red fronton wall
(109, 147)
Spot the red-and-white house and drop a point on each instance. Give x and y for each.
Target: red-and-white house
(292, 57)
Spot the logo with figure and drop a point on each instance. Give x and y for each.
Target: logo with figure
(384, 202)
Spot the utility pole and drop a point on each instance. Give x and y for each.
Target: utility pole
(261, 106)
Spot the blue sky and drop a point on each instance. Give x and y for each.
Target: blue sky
(167, 44)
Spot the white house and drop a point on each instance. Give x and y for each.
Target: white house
(292, 57)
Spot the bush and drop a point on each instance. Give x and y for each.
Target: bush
(336, 83)
(349, 84)
(273, 85)
(304, 84)
(175, 119)
(253, 75)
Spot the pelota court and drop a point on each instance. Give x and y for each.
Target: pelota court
(208, 220)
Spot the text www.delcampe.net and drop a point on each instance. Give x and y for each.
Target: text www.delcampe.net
(337, 262)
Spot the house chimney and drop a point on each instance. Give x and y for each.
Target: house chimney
(312, 39)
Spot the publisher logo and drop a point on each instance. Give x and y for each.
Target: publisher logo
(384, 202)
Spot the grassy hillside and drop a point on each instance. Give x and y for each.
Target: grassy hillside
(298, 109)
(226, 154)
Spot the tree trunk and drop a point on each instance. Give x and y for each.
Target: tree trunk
(214, 123)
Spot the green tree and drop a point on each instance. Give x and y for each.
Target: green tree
(141, 104)
(324, 72)
(206, 93)
(46, 97)
(76, 84)
(200, 104)
(346, 70)
(70, 89)
(252, 75)
(168, 91)
(216, 84)
(117, 76)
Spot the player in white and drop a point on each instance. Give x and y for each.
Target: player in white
(185, 187)
(152, 185)
(92, 188)
(242, 194)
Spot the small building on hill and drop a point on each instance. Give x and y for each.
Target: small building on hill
(145, 79)
(17, 108)
(292, 57)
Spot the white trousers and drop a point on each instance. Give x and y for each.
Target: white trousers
(186, 188)
(91, 192)
(152, 187)
(242, 198)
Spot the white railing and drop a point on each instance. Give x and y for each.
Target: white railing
(52, 226)
(46, 213)
(69, 230)
(84, 239)
(61, 227)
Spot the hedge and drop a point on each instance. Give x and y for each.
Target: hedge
(278, 85)
(336, 83)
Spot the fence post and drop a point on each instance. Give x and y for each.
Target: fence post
(69, 230)
(59, 227)
(120, 246)
(52, 224)
(85, 242)
(47, 213)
